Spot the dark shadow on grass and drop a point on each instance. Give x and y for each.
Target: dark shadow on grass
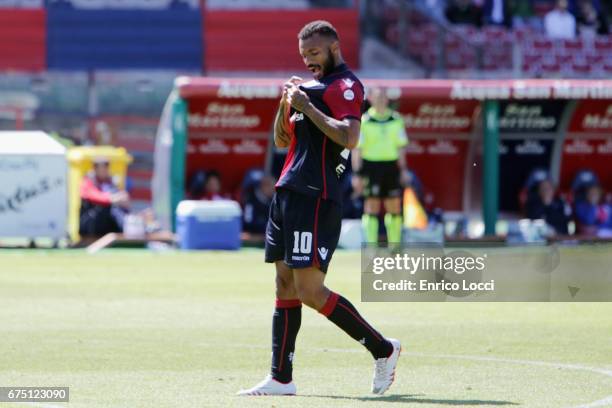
(418, 399)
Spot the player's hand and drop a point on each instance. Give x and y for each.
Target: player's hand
(297, 98)
(293, 81)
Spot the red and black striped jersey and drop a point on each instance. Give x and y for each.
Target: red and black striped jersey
(314, 162)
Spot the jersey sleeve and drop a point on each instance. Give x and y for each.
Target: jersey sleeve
(344, 97)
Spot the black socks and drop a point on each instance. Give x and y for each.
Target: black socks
(344, 315)
(285, 326)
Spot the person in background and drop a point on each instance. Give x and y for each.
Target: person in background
(379, 160)
(591, 22)
(594, 217)
(103, 204)
(464, 12)
(256, 203)
(523, 14)
(545, 205)
(212, 187)
(559, 23)
(498, 12)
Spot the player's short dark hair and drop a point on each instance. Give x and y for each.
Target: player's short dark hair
(321, 27)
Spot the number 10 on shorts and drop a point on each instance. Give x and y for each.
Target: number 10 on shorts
(302, 242)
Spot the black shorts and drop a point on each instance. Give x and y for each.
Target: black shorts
(381, 179)
(302, 231)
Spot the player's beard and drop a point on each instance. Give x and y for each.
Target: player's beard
(330, 63)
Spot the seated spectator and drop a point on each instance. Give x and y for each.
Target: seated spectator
(591, 22)
(559, 23)
(544, 205)
(256, 201)
(594, 217)
(205, 186)
(464, 12)
(103, 205)
(212, 187)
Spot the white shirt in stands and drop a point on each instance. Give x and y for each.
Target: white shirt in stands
(560, 24)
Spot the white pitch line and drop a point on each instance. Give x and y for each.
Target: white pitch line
(604, 402)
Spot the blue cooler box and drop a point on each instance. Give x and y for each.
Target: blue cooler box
(208, 224)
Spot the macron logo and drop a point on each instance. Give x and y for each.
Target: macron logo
(323, 252)
(349, 82)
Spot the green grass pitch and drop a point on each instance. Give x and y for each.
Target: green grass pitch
(130, 328)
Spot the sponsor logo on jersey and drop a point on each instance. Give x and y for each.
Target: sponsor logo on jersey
(340, 169)
(300, 258)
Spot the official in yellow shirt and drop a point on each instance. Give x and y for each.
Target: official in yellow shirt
(379, 161)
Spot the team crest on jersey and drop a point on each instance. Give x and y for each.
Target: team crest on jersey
(349, 95)
(349, 82)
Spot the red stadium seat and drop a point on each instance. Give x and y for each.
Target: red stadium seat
(492, 33)
(581, 68)
(532, 58)
(542, 44)
(573, 45)
(551, 67)
(456, 65)
(603, 44)
(594, 59)
(523, 33)
(563, 59)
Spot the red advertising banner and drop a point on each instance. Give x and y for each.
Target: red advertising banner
(438, 116)
(592, 117)
(228, 135)
(230, 120)
(232, 115)
(586, 153)
(444, 186)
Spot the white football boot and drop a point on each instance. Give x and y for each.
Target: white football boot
(384, 369)
(269, 386)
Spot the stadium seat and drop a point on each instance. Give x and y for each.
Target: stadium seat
(551, 67)
(581, 67)
(563, 59)
(603, 44)
(542, 45)
(573, 45)
(594, 59)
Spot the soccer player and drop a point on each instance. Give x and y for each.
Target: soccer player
(319, 121)
(383, 138)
